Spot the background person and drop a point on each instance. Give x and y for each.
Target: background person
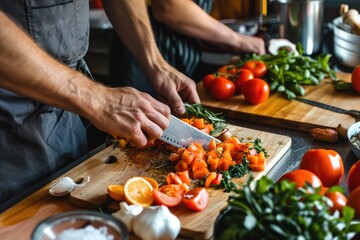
(178, 25)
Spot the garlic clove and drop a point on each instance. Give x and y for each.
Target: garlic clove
(66, 185)
(127, 213)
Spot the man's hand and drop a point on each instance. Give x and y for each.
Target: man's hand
(174, 88)
(129, 114)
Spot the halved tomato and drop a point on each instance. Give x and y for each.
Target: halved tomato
(168, 195)
(196, 199)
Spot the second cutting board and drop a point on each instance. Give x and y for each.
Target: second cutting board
(281, 112)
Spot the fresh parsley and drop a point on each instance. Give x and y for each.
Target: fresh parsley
(265, 209)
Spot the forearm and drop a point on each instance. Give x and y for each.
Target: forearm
(188, 18)
(29, 71)
(131, 22)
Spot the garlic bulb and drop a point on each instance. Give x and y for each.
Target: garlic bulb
(127, 213)
(156, 223)
(66, 185)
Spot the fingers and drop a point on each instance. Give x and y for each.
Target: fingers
(131, 115)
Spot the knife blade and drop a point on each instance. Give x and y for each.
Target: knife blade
(354, 113)
(181, 134)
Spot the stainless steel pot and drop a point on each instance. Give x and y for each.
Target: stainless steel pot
(346, 44)
(301, 21)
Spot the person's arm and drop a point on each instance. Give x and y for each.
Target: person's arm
(131, 22)
(27, 70)
(186, 17)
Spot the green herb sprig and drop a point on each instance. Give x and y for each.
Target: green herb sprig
(236, 171)
(265, 209)
(287, 72)
(216, 119)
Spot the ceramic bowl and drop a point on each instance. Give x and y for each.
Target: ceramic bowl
(81, 224)
(353, 130)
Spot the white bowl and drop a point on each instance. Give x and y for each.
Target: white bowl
(80, 225)
(354, 129)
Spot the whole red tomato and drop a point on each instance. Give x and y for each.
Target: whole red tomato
(353, 178)
(256, 91)
(243, 75)
(222, 88)
(257, 67)
(338, 200)
(326, 164)
(228, 69)
(355, 78)
(301, 177)
(354, 201)
(207, 81)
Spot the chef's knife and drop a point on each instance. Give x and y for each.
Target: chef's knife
(181, 134)
(354, 113)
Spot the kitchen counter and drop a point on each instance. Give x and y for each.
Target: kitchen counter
(18, 221)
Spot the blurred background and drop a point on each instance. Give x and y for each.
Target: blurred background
(226, 10)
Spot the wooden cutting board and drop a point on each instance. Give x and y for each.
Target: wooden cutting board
(195, 225)
(278, 111)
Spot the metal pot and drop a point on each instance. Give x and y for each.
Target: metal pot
(301, 21)
(346, 44)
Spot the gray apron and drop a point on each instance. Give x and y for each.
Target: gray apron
(37, 139)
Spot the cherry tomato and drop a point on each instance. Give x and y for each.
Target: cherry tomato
(256, 91)
(355, 78)
(169, 195)
(300, 177)
(257, 67)
(196, 199)
(207, 81)
(326, 164)
(243, 75)
(353, 179)
(354, 201)
(338, 199)
(228, 69)
(222, 88)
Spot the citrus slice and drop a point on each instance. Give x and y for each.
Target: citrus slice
(138, 190)
(116, 192)
(153, 182)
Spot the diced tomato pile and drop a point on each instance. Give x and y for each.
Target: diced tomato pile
(199, 123)
(198, 163)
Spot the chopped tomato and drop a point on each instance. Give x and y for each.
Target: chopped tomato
(173, 178)
(211, 176)
(184, 176)
(196, 199)
(167, 198)
(217, 180)
(169, 188)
